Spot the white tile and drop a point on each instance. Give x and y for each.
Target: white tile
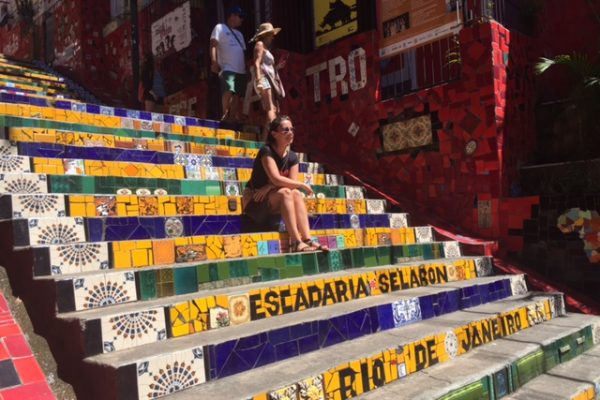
(8, 149)
(375, 206)
(38, 205)
(157, 378)
(14, 164)
(123, 331)
(46, 231)
(424, 234)
(354, 192)
(451, 249)
(23, 183)
(518, 285)
(78, 257)
(483, 266)
(104, 290)
(398, 220)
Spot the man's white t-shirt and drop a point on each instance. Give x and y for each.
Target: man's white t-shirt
(230, 52)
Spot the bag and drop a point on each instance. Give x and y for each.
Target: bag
(276, 84)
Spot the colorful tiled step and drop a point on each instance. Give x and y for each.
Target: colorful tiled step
(106, 331)
(382, 357)
(496, 370)
(110, 288)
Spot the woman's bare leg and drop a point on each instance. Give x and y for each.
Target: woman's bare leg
(301, 215)
(270, 108)
(284, 200)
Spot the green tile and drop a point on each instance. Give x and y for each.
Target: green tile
(252, 267)
(341, 241)
(269, 274)
(292, 260)
(223, 268)
(203, 273)
(370, 255)
(334, 258)
(384, 255)
(238, 268)
(185, 280)
(213, 272)
(310, 263)
(292, 272)
(323, 262)
(213, 188)
(358, 258)
(346, 258)
(146, 284)
(192, 188)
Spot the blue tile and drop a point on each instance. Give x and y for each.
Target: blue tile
(146, 115)
(63, 105)
(94, 229)
(302, 330)
(308, 344)
(263, 247)
(234, 365)
(426, 304)
(331, 337)
(281, 335)
(287, 350)
(169, 119)
(274, 247)
(191, 121)
(250, 354)
(267, 356)
(385, 317)
(120, 112)
(92, 108)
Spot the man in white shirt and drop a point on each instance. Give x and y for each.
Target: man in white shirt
(227, 48)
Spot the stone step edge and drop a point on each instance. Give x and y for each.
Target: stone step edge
(502, 358)
(504, 318)
(430, 266)
(414, 297)
(577, 379)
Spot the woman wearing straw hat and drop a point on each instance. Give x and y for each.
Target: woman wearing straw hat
(267, 83)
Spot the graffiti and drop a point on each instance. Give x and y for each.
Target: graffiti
(172, 32)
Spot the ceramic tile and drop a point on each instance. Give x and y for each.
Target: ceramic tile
(451, 249)
(424, 234)
(106, 206)
(8, 149)
(23, 183)
(184, 205)
(288, 392)
(232, 246)
(231, 188)
(14, 164)
(104, 290)
(211, 173)
(483, 266)
(375, 206)
(174, 227)
(129, 330)
(164, 375)
(518, 285)
(190, 253)
(46, 231)
(398, 220)
(219, 317)
(239, 309)
(355, 221)
(354, 192)
(78, 257)
(406, 311)
(451, 344)
(148, 206)
(74, 167)
(311, 389)
(453, 273)
(38, 205)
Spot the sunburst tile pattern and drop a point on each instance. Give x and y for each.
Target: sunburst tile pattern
(123, 331)
(104, 290)
(78, 257)
(48, 231)
(38, 205)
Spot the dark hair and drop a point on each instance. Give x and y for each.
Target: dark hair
(274, 125)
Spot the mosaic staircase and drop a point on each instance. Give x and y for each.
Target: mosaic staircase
(125, 229)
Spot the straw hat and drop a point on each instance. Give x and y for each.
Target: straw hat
(265, 28)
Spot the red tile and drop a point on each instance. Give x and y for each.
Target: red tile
(17, 346)
(3, 351)
(33, 391)
(29, 370)
(3, 303)
(10, 330)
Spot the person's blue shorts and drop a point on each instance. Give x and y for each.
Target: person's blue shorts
(233, 82)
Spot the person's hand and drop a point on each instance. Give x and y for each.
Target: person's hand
(214, 67)
(306, 189)
(259, 86)
(261, 194)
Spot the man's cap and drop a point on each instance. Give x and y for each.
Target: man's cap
(237, 10)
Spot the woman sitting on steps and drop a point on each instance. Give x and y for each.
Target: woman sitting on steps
(274, 188)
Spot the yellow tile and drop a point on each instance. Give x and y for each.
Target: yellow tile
(122, 259)
(140, 257)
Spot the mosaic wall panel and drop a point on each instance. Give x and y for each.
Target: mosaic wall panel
(78, 257)
(163, 375)
(587, 224)
(23, 183)
(38, 205)
(47, 231)
(123, 331)
(96, 291)
(354, 378)
(409, 134)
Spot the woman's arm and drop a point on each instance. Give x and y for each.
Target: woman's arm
(278, 180)
(259, 51)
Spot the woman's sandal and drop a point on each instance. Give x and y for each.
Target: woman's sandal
(316, 245)
(301, 247)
